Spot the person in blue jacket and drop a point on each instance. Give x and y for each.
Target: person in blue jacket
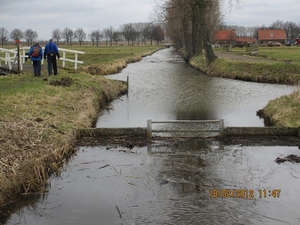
(36, 55)
(51, 52)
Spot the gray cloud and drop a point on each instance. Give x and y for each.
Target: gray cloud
(259, 12)
(44, 16)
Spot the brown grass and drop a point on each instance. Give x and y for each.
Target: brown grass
(284, 111)
(38, 129)
(111, 68)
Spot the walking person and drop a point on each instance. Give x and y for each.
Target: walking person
(51, 52)
(36, 55)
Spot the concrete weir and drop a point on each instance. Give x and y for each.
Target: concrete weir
(228, 131)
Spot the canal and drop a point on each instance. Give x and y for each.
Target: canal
(186, 182)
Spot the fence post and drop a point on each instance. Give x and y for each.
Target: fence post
(221, 127)
(76, 57)
(64, 56)
(23, 55)
(149, 129)
(127, 84)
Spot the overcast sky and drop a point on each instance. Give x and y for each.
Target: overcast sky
(263, 12)
(43, 16)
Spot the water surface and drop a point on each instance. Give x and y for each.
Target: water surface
(163, 87)
(174, 184)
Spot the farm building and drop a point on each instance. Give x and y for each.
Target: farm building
(225, 37)
(266, 36)
(245, 40)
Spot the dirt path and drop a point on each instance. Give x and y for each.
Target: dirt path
(241, 57)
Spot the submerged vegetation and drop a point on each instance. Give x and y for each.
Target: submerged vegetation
(39, 116)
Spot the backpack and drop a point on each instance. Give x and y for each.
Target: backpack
(36, 51)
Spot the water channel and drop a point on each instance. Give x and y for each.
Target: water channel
(194, 182)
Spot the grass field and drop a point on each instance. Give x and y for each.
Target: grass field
(278, 53)
(103, 55)
(104, 60)
(271, 65)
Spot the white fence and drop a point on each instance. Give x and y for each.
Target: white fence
(217, 126)
(10, 57)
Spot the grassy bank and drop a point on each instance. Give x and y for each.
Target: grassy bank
(272, 65)
(39, 117)
(272, 71)
(108, 60)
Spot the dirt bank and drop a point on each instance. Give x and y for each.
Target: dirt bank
(38, 131)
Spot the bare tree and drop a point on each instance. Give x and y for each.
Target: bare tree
(127, 31)
(191, 23)
(4, 35)
(95, 36)
(145, 33)
(138, 27)
(30, 35)
(111, 34)
(16, 34)
(106, 35)
(80, 35)
(292, 30)
(158, 34)
(116, 36)
(68, 35)
(98, 36)
(92, 36)
(150, 31)
(57, 35)
(277, 25)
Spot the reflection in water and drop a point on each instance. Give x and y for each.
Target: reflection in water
(26, 205)
(171, 184)
(161, 90)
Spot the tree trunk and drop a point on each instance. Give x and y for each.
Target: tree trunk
(209, 54)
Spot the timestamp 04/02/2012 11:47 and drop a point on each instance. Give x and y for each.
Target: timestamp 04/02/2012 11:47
(244, 193)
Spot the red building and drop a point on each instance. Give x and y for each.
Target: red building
(225, 37)
(266, 36)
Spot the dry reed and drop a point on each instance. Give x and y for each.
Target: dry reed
(38, 133)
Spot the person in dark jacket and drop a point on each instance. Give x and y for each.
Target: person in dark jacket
(36, 55)
(51, 52)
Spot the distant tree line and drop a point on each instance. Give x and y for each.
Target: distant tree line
(132, 33)
(292, 29)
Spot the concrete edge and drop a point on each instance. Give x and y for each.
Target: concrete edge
(228, 131)
(261, 131)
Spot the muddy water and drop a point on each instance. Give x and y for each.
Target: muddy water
(192, 182)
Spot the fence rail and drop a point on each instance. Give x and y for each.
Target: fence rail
(11, 60)
(220, 124)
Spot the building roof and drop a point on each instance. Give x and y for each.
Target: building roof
(269, 35)
(225, 35)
